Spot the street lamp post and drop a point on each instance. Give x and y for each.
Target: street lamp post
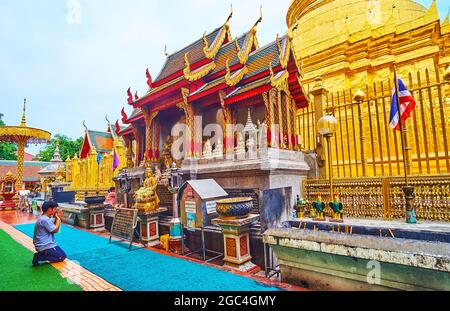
(357, 99)
(327, 126)
(176, 234)
(125, 186)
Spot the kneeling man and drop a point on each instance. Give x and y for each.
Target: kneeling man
(44, 235)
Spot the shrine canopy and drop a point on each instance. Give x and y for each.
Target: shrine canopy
(22, 135)
(102, 142)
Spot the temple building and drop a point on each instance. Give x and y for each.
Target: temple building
(102, 142)
(224, 81)
(55, 171)
(102, 155)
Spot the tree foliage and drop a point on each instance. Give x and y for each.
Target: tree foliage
(8, 151)
(67, 147)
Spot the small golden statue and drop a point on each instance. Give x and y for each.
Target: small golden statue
(146, 198)
(167, 153)
(60, 174)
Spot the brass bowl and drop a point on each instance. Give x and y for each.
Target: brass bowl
(234, 208)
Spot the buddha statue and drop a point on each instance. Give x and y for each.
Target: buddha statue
(167, 153)
(218, 151)
(158, 174)
(146, 197)
(207, 149)
(251, 146)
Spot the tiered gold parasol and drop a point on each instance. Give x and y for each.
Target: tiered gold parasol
(22, 135)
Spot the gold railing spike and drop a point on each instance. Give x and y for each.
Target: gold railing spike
(447, 74)
(359, 96)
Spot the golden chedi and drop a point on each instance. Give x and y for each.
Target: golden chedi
(351, 43)
(146, 198)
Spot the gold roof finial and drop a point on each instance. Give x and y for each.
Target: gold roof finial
(231, 14)
(260, 16)
(84, 124)
(165, 50)
(24, 119)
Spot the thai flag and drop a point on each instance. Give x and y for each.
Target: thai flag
(407, 104)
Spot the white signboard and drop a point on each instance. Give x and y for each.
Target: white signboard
(190, 207)
(211, 207)
(24, 192)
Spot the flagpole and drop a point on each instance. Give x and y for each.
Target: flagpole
(408, 190)
(402, 134)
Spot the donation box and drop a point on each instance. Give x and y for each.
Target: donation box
(197, 199)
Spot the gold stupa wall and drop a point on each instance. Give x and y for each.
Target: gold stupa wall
(353, 44)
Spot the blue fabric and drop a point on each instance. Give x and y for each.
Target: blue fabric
(99, 158)
(141, 269)
(43, 238)
(55, 254)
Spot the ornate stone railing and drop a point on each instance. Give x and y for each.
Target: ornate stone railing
(382, 197)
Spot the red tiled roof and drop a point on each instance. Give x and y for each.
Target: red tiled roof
(30, 168)
(29, 156)
(175, 61)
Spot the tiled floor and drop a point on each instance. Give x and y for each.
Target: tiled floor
(14, 217)
(91, 282)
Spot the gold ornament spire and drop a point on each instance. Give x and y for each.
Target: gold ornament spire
(23, 123)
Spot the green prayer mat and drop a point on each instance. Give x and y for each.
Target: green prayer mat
(17, 274)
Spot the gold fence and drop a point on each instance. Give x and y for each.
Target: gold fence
(376, 149)
(382, 197)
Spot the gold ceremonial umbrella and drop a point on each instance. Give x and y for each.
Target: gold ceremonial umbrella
(22, 135)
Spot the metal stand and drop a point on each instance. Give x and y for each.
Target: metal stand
(203, 250)
(270, 270)
(133, 234)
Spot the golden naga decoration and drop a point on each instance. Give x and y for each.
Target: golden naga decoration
(249, 42)
(280, 82)
(146, 198)
(284, 51)
(198, 73)
(235, 78)
(211, 51)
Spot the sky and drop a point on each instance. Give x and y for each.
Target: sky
(74, 59)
